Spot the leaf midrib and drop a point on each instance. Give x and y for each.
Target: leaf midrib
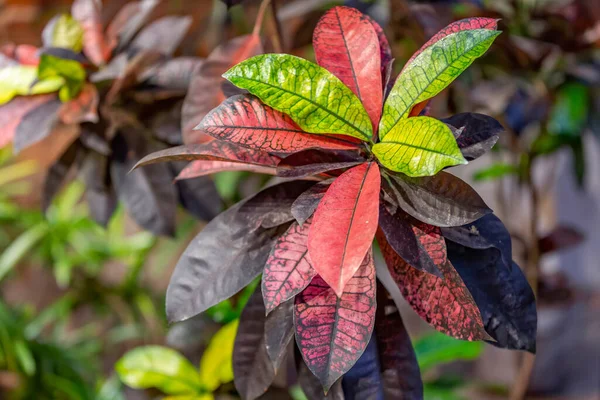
(421, 148)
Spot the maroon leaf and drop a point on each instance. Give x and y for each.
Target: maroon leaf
(562, 237)
(306, 204)
(213, 151)
(83, 108)
(11, 114)
(315, 161)
(128, 21)
(441, 200)
(175, 74)
(205, 91)
(333, 331)
(445, 304)
(99, 192)
(245, 121)
(288, 269)
(344, 225)
(385, 51)
(88, 14)
(199, 196)
(37, 124)
(163, 35)
(419, 244)
(252, 369)
(346, 44)
(206, 167)
(313, 389)
(475, 133)
(279, 332)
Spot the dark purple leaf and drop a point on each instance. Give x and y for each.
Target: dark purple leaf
(163, 35)
(252, 369)
(475, 133)
(313, 389)
(58, 173)
(562, 237)
(363, 381)
(36, 125)
(174, 74)
(99, 193)
(279, 332)
(440, 200)
(128, 21)
(305, 205)
(313, 162)
(198, 195)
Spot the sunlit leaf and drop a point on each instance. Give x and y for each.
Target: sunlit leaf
(22, 80)
(419, 146)
(88, 14)
(313, 97)
(432, 71)
(65, 32)
(333, 329)
(216, 366)
(159, 367)
(344, 225)
(71, 71)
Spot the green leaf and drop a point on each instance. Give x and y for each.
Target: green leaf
(216, 364)
(71, 71)
(570, 111)
(67, 33)
(312, 96)
(437, 348)
(495, 171)
(21, 247)
(21, 80)
(432, 71)
(206, 396)
(161, 368)
(25, 357)
(419, 146)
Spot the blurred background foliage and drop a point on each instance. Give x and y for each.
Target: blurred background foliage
(82, 305)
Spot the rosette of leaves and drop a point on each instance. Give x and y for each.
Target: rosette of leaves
(95, 100)
(362, 164)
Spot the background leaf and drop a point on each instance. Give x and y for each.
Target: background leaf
(216, 367)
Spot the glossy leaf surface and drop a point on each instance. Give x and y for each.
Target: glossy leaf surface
(346, 44)
(419, 146)
(432, 71)
(246, 121)
(288, 269)
(440, 200)
(314, 98)
(344, 225)
(475, 133)
(445, 304)
(333, 331)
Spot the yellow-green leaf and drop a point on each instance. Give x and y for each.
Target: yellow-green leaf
(216, 364)
(71, 71)
(21, 80)
(419, 146)
(161, 368)
(312, 96)
(67, 33)
(206, 396)
(432, 71)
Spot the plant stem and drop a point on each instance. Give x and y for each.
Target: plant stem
(278, 40)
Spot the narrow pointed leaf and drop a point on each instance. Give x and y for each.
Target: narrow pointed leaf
(246, 121)
(432, 71)
(279, 332)
(419, 146)
(228, 254)
(333, 331)
(313, 97)
(206, 167)
(128, 21)
(306, 204)
(475, 133)
(12, 114)
(252, 369)
(212, 151)
(313, 389)
(445, 304)
(401, 377)
(419, 244)
(346, 44)
(88, 14)
(288, 269)
(199, 196)
(316, 161)
(344, 225)
(440, 200)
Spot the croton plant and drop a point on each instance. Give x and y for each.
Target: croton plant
(96, 99)
(362, 163)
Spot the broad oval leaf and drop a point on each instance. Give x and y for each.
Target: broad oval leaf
(346, 44)
(419, 244)
(344, 225)
(288, 269)
(432, 71)
(445, 303)
(163, 35)
(419, 146)
(333, 330)
(441, 200)
(37, 125)
(252, 368)
(216, 367)
(246, 121)
(313, 97)
(199, 168)
(159, 367)
(12, 114)
(475, 133)
(65, 32)
(88, 14)
(228, 253)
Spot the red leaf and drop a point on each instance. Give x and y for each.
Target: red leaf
(246, 121)
(385, 51)
(205, 92)
(346, 44)
(332, 332)
(462, 25)
(83, 108)
(445, 303)
(87, 13)
(24, 54)
(344, 225)
(289, 268)
(12, 113)
(214, 150)
(199, 168)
